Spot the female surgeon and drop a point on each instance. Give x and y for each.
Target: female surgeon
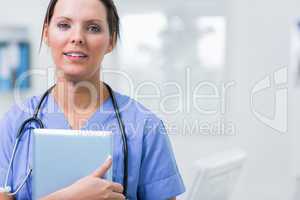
(79, 33)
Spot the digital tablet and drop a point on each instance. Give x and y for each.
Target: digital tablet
(61, 157)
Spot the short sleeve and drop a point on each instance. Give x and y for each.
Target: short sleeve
(6, 143)
(159, 175)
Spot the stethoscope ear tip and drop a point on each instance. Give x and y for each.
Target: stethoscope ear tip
(6, 189)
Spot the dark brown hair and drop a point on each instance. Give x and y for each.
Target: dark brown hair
(112, 19)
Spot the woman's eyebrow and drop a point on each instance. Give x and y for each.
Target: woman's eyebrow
(88, 21)
(61, 17)
(94, 20)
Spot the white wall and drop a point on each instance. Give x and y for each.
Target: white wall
(259, 38)
(26, 14)
(258, 45)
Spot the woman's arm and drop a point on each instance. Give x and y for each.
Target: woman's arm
(61, 194)
(157, 152)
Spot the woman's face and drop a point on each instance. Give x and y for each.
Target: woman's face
(78, 36)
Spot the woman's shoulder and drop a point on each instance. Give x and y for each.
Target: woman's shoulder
(134, 109)
(23, 108)
(17, 114)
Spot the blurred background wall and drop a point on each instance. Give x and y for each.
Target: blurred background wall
(247, 41)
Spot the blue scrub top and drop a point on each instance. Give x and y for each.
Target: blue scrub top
(153, 173)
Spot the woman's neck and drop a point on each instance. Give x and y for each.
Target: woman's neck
(80, 96)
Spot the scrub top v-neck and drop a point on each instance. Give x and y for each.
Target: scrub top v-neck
(153, 172)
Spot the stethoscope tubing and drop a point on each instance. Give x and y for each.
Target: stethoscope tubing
(124, 139)
(35, 119)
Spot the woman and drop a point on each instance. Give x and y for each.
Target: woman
(79, 34)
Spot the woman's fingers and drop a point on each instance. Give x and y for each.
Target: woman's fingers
(116, 187)
(116, 196)
(4, 196)
(101, 171)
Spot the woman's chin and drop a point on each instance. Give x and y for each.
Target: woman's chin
(77, 73)
(77, 76)
(71, 75)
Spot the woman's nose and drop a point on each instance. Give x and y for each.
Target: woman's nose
(77, 37)
(77, 41)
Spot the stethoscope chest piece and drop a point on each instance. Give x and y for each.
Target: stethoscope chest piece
(6, 189)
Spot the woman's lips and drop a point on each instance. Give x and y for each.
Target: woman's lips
(75, 56)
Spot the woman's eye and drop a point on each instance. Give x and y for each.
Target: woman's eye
(63, 26)
(94, 28)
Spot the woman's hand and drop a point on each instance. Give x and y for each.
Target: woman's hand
(92, 187)
(4, 196)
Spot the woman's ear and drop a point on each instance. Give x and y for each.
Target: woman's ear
(112, 44)
(46, 35)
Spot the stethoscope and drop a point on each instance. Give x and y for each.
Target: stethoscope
(34, 119)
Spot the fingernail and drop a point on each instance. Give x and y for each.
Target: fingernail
(108, 158)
